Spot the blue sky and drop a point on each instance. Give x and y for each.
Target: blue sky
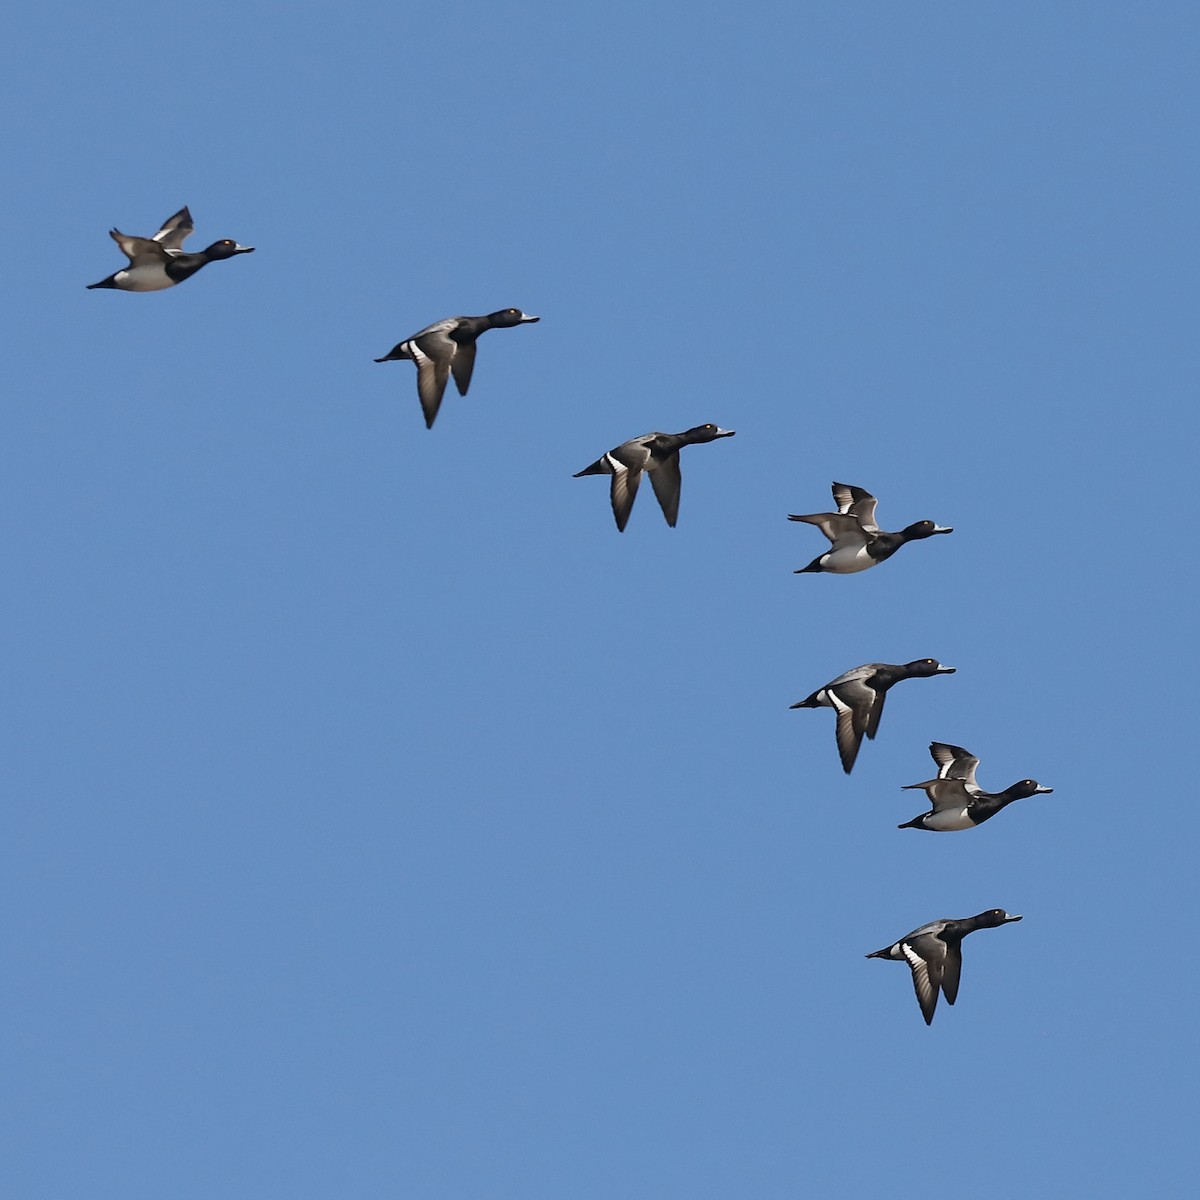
(380, 822)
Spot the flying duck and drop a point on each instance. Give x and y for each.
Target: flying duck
(857, 697)
(857, 541)
(658, 455)
(958, 801)
(934, 952)
(448, 347)
(159, 262)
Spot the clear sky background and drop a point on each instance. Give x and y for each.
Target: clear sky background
(378, 821)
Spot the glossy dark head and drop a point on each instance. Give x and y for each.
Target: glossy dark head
(707, 433)
(225, 248)
(507, 317)
(994, 917)
(922, 668)
(923, 529)
(1026, 788)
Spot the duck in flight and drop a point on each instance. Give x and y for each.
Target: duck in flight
(934, 952)
(958, 801)
(857, 697)
(159, 262)
(447, 348)
(857, 541)
(657, 455)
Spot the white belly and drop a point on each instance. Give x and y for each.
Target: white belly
(149, 277)
(949, 820)
(847, 559)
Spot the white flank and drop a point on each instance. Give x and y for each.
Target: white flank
(847, 560)
(148, 277)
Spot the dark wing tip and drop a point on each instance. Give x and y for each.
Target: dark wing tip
(848, 753)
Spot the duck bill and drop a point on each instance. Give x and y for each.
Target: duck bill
(945, 670)
(1008, 917)
(943, 529)
(725, 433)
(1042, 791)
(526, 319)
(243, 250)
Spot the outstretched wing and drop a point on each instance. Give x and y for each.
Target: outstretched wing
(432, 351)
(928, 950)
(175, 230)
(839, 528)
(667, 481)
(875, 713)
(432, 375)
(857, 502)
(138, 250)
(943, 793)
(463, 364)
(851, 702)
(624, 488)
(952, 972)
(625, 463)
(953, 762)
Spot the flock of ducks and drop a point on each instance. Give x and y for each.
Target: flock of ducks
(446, 349)
(934, 951)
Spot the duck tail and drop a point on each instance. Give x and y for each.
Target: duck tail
(599, 467)
(396, 353)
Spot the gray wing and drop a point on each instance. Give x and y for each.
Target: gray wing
(876, 711)
(139, 250)
(840, 528)
(633, 454)
(943, 793)
(624, 488)
(432, 356)
(860, 698)
(934, 927)
(927, 960)
(442, 327)
(851, 702)
(626, 463)
(667, 480)
(857, 502)
(855, 673)
(463, 364)
(954, 762)
(175, 230)
(952, 972)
